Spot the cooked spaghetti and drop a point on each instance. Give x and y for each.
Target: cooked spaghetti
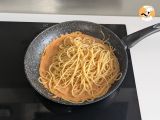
(77, 67)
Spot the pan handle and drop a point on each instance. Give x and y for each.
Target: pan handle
(134, 38)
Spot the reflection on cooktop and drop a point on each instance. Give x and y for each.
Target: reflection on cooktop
(118, 110)
(19, 101)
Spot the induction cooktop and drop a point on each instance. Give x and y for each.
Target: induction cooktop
(19, 101)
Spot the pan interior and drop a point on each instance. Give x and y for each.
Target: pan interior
(35, 49)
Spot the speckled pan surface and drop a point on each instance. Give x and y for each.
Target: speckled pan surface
(35, 49)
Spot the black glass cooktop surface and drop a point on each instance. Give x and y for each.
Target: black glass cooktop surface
(19, 101)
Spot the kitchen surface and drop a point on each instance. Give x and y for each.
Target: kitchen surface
(123, 103)
(21, 21)
(78, 7)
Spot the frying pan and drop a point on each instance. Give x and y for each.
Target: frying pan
(35, 49)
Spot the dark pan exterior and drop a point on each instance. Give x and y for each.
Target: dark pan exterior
(35, 49)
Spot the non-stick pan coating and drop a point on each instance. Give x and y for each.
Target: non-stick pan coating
(35, 49)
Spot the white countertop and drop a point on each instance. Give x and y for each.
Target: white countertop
(145, 55)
